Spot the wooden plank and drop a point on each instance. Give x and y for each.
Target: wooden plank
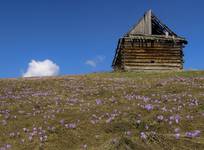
(153, 57)
(153, 50)
(154, 64)
(151, 60)
(152, 53)
(144, 26)
(151, 68)
(157, 55)
(145, 45)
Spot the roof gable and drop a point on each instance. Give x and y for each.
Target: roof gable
(149, 24)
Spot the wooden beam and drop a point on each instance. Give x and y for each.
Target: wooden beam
(128, 68)
(153, 57)
(154, 64)
(151, 61)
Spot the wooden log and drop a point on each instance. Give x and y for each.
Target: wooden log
(154, 57)
(152, 54)
(153, 44)
(151, 68)
(170, 50)
(151, 61)
(147, 46)
(154, 64)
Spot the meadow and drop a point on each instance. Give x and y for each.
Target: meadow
(104, 111)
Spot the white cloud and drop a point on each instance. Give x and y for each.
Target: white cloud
(94, 62)
(100, 59)
(41, 68)
(91, 63)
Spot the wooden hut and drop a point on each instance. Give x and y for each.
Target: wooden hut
(150, 45)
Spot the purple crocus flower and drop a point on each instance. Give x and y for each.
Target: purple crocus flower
(177, 118)
(189, 117)
(148, 107)
(41, 139)
(85, 146)
(193, 134)
(138, 121)
(109, 120)
(2, 148)
(160, 117)
(164, 109)
(128, 133)
(70, 125)
(30, 138)
(146, 127)
(143, 136)
(177, 135)
(170, 122)
(188, 134)
(8, 146)
(98, 102)
(62, 122)
(171, 118)
(176, 130)
(196, 133)
(22, 141)
(12, 134)
(25, 130)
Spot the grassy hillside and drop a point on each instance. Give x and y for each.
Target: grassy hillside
(103, 111)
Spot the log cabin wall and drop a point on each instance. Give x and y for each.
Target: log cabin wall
(151, 55)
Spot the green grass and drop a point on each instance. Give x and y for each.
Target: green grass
(42, 103)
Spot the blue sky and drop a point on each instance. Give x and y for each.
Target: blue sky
(71, 32)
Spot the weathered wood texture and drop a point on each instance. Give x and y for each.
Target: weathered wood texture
(144, 25)
(149, 45)
(149, 55)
